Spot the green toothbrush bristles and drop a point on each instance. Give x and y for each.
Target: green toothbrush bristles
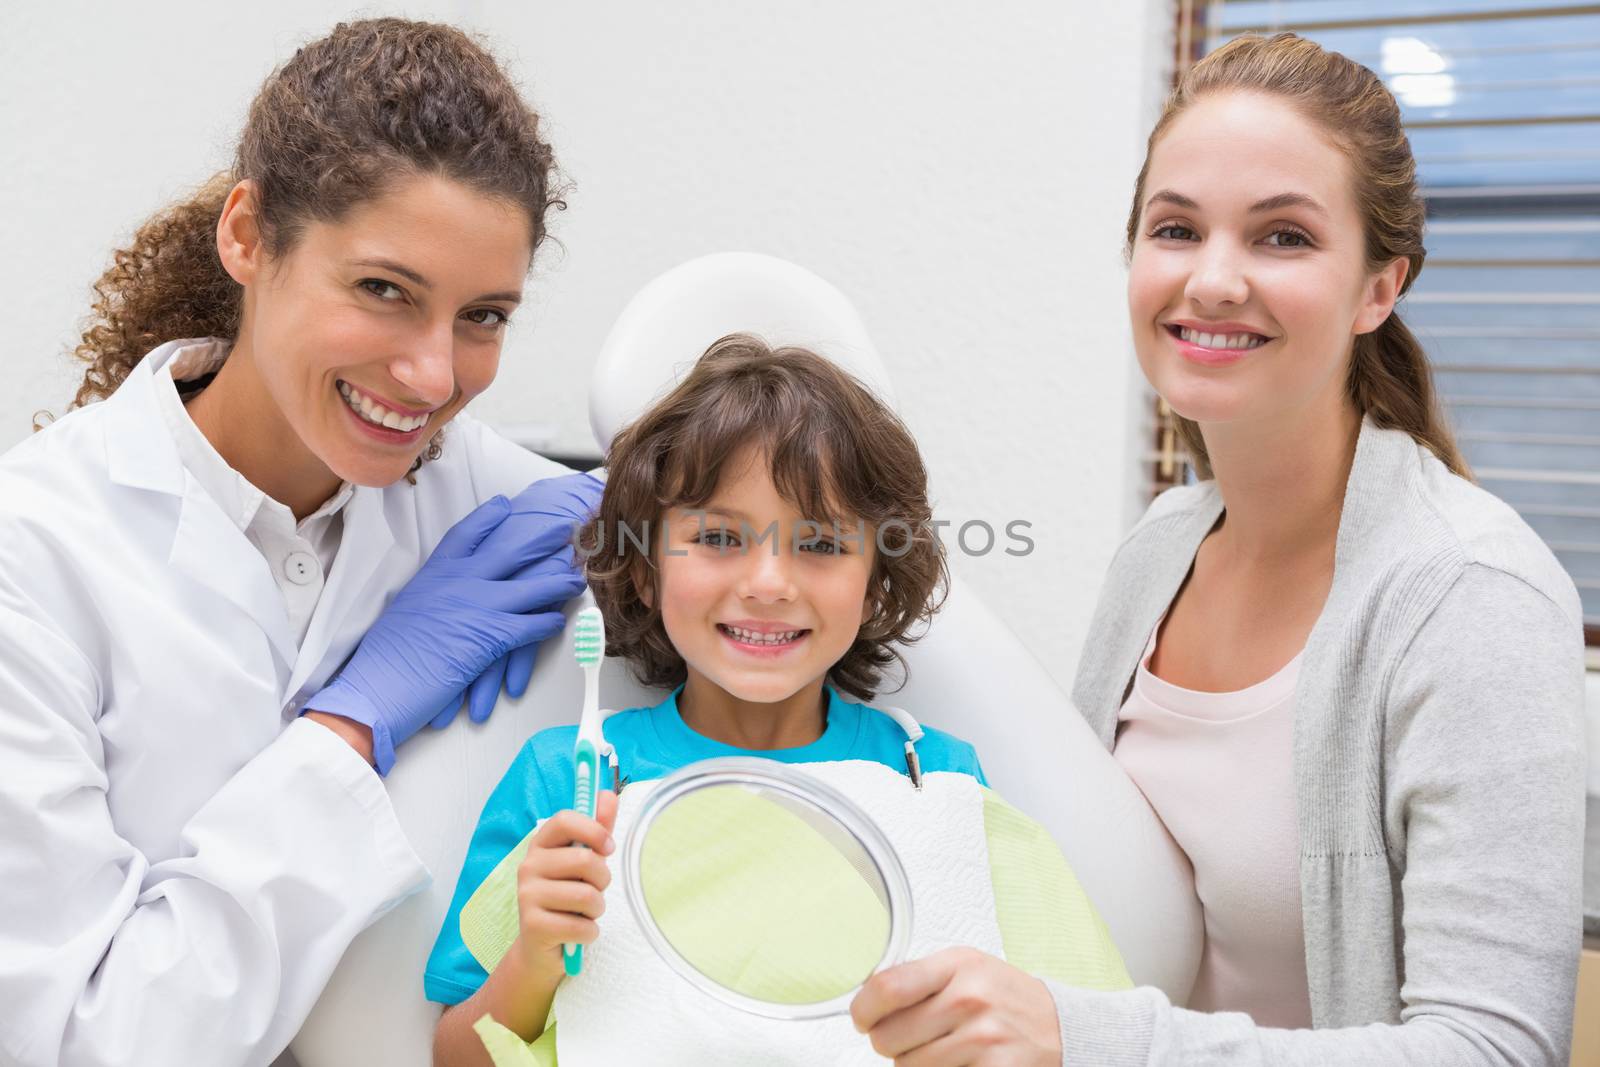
(589, 638)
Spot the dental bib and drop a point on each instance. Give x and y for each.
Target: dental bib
(981, 874)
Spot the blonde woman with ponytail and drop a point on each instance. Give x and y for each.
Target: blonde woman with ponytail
(265, 549)
(1347, 679)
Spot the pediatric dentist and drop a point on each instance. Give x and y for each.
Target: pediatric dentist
(1347, 679)
(233, 534)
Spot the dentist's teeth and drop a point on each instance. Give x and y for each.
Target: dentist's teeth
(377, 414)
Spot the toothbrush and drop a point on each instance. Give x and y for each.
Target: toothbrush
(589, 647)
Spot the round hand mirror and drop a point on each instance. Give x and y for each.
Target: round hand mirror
(766, 888)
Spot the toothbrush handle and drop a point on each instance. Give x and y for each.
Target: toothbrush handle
(587, 774)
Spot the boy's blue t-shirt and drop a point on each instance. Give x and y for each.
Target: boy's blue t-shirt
(650, 743)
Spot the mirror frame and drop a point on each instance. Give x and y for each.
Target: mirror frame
(788, 779)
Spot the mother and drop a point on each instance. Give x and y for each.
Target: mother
(1348, 680)
(185, 565)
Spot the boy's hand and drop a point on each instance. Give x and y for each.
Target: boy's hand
(560, 886)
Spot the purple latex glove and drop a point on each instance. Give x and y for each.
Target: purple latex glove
(570, 500)
(473, 601)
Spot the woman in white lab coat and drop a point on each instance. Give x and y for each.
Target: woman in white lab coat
(229, 533)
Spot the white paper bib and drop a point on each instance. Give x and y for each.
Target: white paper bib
(627, 1006)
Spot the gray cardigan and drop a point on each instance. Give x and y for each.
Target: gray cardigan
(1439, 782)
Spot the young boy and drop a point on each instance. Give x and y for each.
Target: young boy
(762, 546)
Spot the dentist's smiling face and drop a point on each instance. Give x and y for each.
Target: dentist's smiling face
(371, 332)
(1248, 279)
(761, 621)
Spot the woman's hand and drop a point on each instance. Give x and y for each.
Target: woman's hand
(568, 501)
(473, 601)
(959, 1006)
(561, 886)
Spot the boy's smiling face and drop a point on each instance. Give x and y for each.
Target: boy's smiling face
(756, 599)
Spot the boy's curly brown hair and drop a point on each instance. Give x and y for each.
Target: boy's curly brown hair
(833, 450)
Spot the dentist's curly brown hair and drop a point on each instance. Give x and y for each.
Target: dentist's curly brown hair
(349, 115)
(833, 450)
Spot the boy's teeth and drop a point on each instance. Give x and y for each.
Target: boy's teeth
(752, 637)
(1221, 340)
(377, 414)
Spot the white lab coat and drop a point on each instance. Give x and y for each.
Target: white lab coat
(182, 859)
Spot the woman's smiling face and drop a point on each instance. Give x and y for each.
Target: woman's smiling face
(1248, 278)
(753, 599)
(372, 331)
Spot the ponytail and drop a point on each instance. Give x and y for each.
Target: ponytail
(1392, 384)
(168, 284)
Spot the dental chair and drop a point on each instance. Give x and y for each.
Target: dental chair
(969, 675)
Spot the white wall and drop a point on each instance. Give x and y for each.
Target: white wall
(962, 171)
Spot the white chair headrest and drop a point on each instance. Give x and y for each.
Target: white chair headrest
(675, 318)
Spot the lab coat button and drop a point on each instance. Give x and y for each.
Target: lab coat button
(302, 568)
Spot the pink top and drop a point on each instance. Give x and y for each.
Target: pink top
(1218, 769)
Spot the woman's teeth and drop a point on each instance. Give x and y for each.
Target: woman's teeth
(753, 638)
(1221, 340)
(377, 414)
